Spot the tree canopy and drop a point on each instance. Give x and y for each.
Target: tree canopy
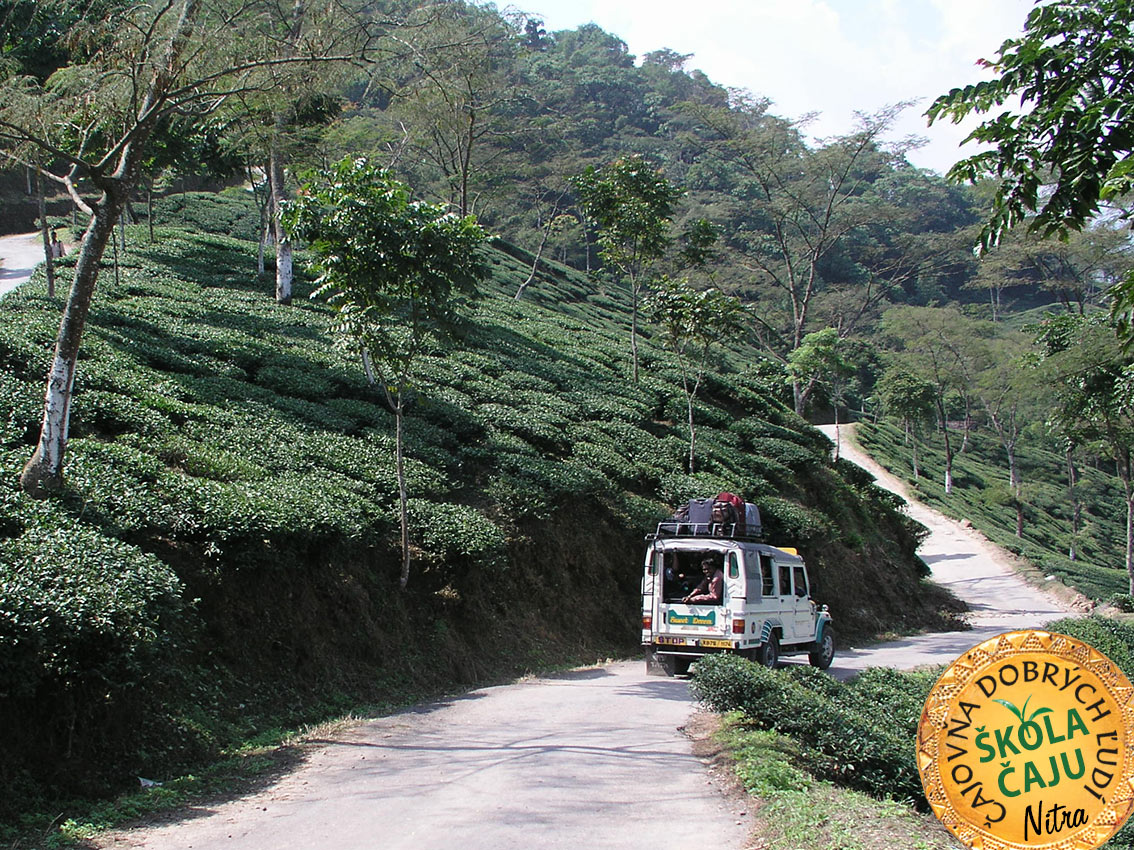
(1067, 147)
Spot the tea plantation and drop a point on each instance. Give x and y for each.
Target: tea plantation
(225, 556)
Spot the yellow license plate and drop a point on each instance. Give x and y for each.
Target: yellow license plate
(717, 644)
(672, 641)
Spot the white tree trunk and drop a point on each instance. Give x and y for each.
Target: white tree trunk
(284, 271)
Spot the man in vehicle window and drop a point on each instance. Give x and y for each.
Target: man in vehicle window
(711, 590)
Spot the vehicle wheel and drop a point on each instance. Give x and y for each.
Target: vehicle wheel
(824, 652)
(681, 665)
(770, 652)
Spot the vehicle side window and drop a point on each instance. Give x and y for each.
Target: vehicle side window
(752, 577)
(785, 581)
(800, 582)
(767, 580)
(733, 565)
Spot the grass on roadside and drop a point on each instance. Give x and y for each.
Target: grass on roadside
(798, 810)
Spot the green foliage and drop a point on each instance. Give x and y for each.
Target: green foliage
(631, 203)
(1112, 638)
(840, 732)
(1063, 67)
(232, 213)
(221, 442)
(1122, 601)
(1097, 569)
(81, 612)
(390, 267)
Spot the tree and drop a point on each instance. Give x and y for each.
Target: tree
(1010, 394)
(912, 400)
(819, 362)
(821, 245)
(133, 66)
(464, 82)
(1095, 398)
(1067, 147)
(927, 340)
(693, 323)
(632, 204)
(393, 269)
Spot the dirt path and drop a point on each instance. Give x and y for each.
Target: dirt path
(591, 758)
(19, 255)
(964, 561)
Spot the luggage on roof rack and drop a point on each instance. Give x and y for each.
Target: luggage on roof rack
(725, 516)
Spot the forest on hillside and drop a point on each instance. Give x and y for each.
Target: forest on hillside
(856, 270)
(629, 286)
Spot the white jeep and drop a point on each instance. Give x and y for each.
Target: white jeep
(764, 611)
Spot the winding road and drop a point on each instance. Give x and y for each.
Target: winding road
(962, 560)
(590, 758)
(19, 255)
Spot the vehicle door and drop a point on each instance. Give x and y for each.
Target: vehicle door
(734, 589)
(786, 600)
(803, 612)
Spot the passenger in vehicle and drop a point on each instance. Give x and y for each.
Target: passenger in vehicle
(678, 584)
(711, 590)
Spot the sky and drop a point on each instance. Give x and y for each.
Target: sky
(834, 57)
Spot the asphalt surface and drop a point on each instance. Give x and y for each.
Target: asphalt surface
(593, 758)
(19, 255)
(962, 560)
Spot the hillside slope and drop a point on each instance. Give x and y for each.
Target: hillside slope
(225, 555)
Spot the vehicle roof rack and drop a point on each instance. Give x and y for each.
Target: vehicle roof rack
(676, 529)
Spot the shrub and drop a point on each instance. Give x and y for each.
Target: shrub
(842, 734)
(1113, 639)
(1122, 601)
(80, 609)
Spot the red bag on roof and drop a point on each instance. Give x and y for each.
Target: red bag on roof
(728, 513)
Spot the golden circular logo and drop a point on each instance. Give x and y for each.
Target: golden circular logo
(1024, 742)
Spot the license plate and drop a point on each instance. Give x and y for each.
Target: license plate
(672, 641)
(717, 644)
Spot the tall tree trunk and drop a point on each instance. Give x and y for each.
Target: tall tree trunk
(634, 289)
(835, 407)
(48, 253)
(539, 252)
(150, 207)
(1076, 508)
(1123, 462)
(403, 500)
(43, 474)
(948, 447)
(284, 272)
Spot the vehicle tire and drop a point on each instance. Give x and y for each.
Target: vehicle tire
(770, 652)
(681, 665)
(824, 652)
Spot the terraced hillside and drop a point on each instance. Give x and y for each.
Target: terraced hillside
(225, 556)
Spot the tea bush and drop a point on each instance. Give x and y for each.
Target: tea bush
(1112, 638)
(226, 213)
(220, 440)
(979, 495)
(80, 610)
(842, 735)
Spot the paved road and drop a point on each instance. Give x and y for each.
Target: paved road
(19, 255)
(591, 758)
(966, 563)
